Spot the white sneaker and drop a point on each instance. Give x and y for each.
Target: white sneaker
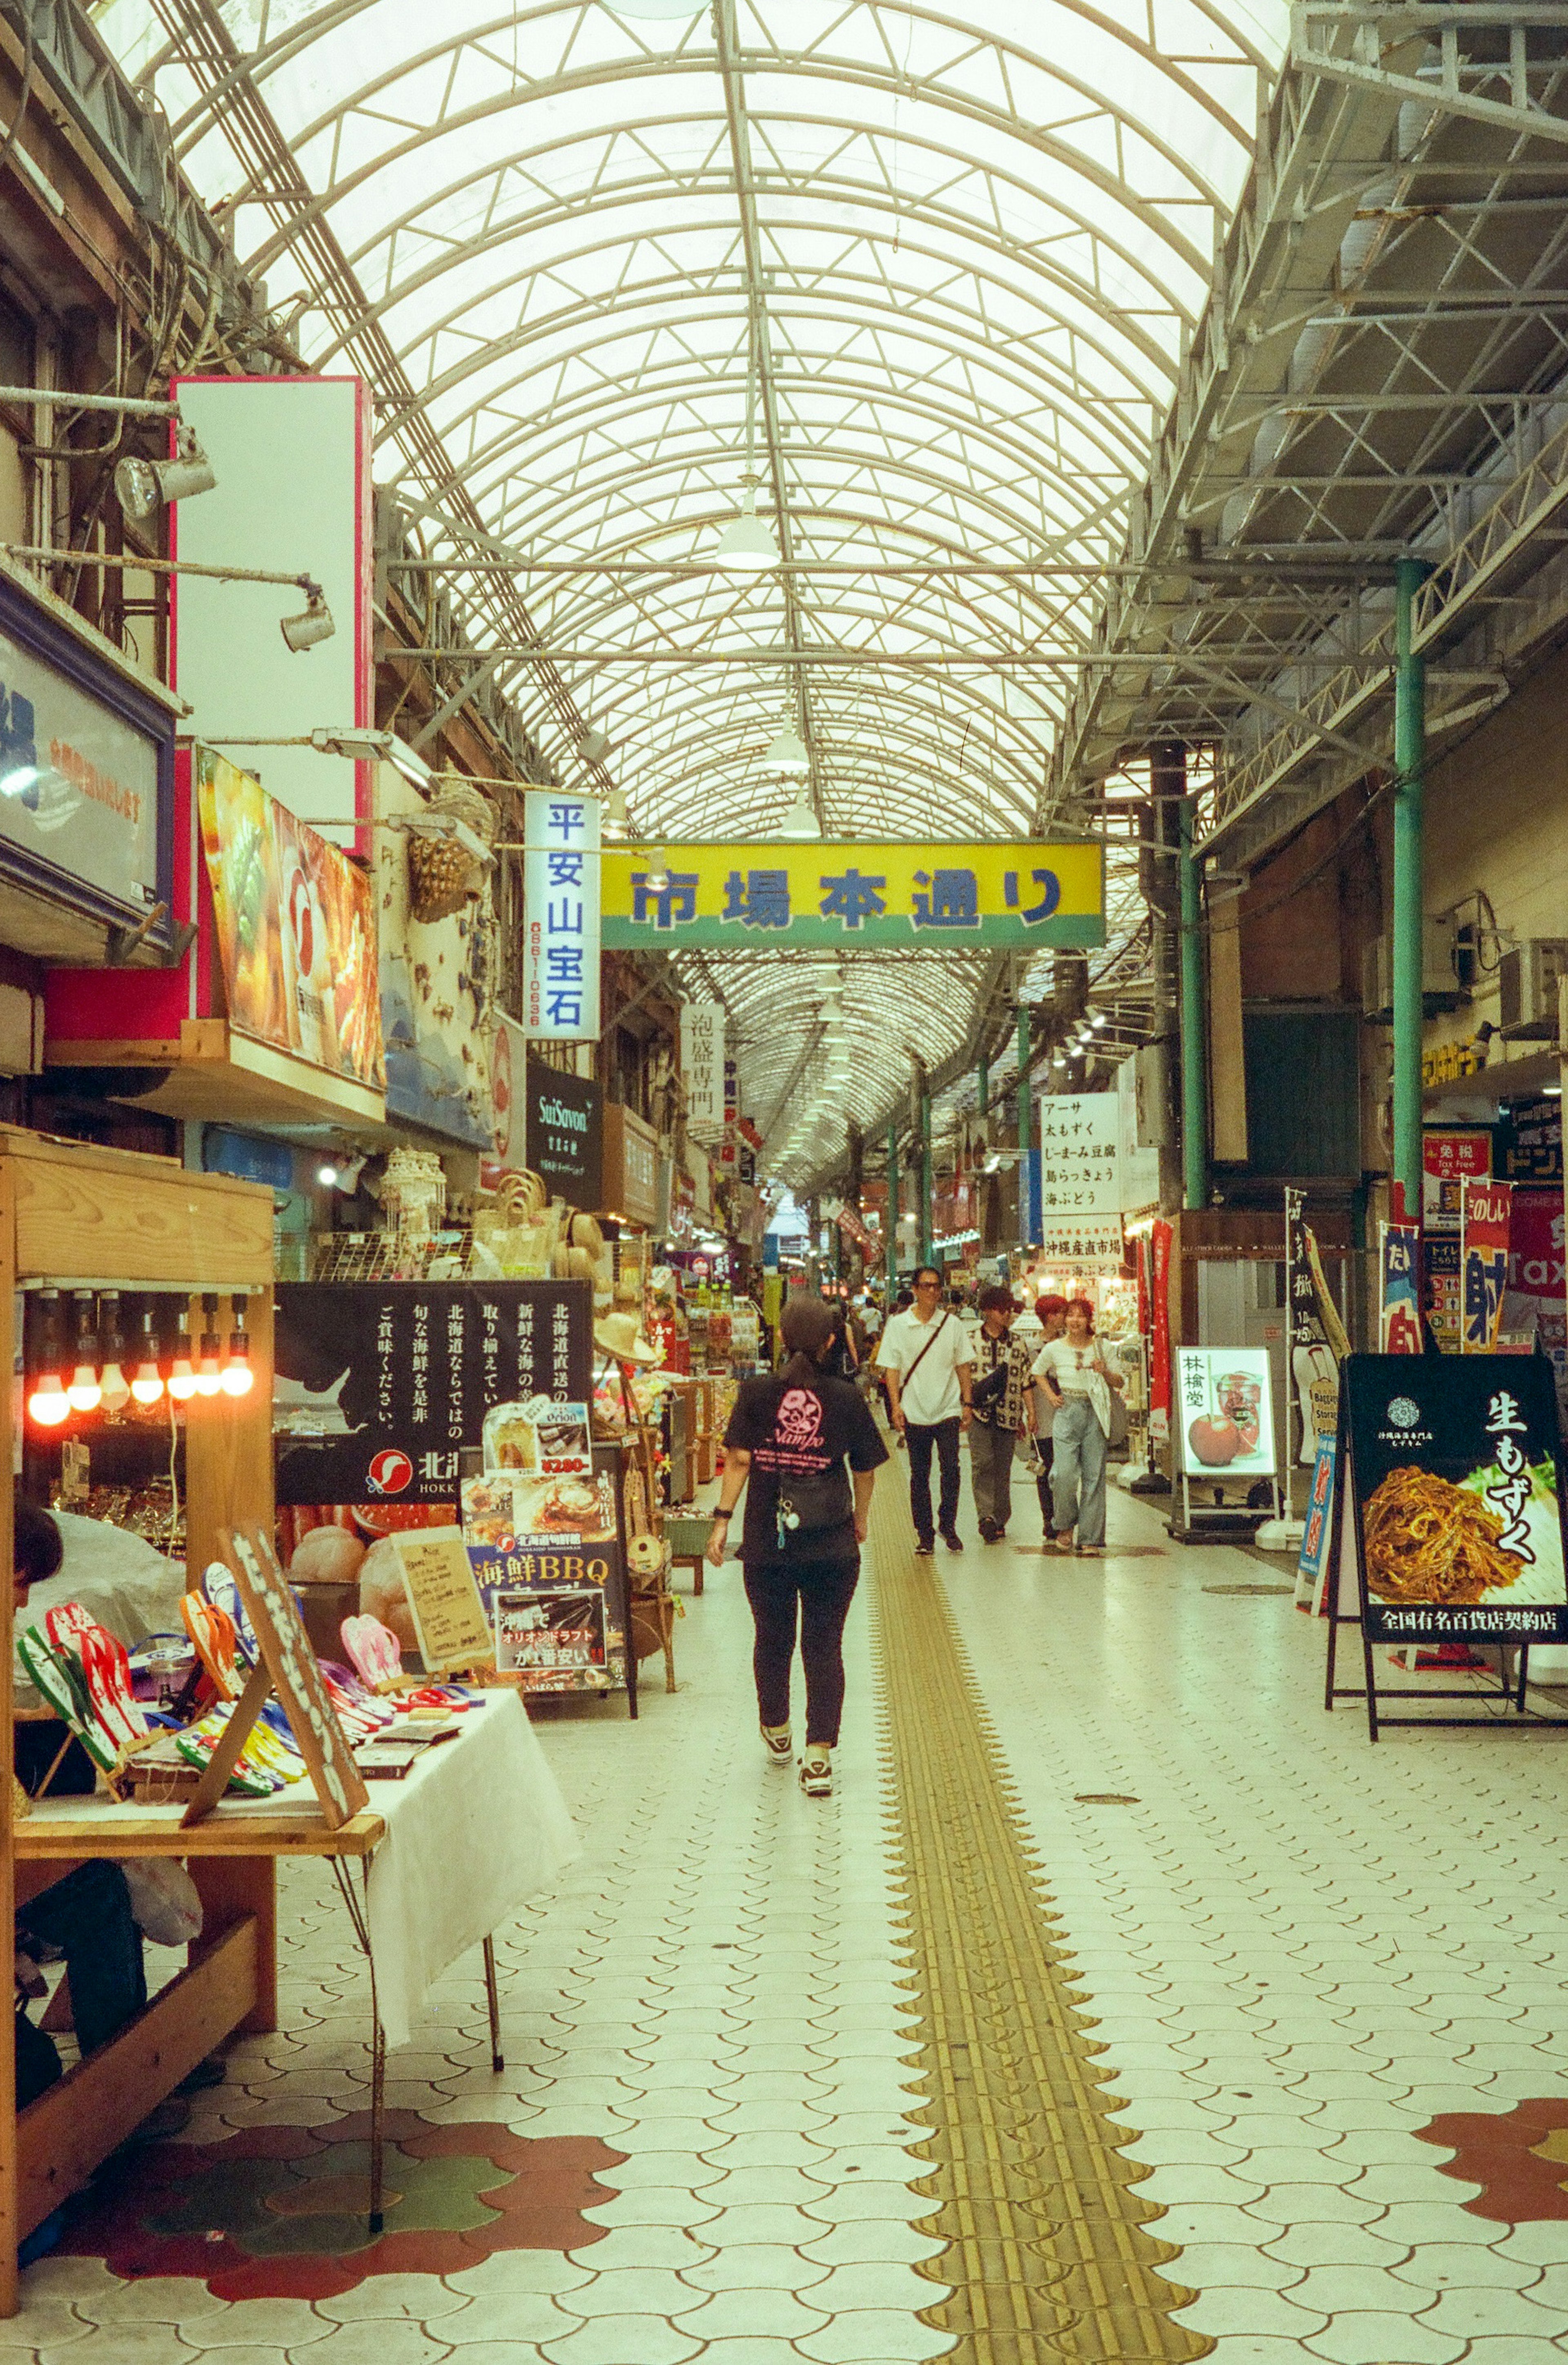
(816, 1772)
(777, 1742)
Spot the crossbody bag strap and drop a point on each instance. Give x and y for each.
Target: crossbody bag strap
(924, 1351)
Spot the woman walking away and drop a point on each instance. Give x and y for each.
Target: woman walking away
(805, 1522)
(1078, 1380)
(1001, 1400)
(1050, 1312)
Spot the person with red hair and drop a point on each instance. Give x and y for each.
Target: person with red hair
(1050, 1312)
(1078, 1380)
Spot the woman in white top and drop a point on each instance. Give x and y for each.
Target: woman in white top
(1077, 1382)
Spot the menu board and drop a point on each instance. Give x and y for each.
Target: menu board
(1226, 1412)
(383, 1385)
(557, 1642)
(1453, 1475)
(534, 1589)
(449, 1616)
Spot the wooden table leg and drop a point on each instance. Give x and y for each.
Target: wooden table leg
(229, 1886)
(497, 2060)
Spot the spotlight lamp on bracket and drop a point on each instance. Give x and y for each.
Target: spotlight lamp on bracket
(314, 623)
(143, 486)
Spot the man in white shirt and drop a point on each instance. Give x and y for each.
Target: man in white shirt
(928, 1361)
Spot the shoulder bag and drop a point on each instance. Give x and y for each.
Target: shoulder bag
(903, 1378)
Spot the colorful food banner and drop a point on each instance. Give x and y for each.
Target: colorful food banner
(1484, 1265)
(561, 922)
(1226, 1412)
(1313, 1563)
(1161, 1236)
(720, 898)
(296, 928)
(1454, 1479)
(1399, 1305)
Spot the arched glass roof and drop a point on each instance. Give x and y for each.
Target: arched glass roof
(930, 268)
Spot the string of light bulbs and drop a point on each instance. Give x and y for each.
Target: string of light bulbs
(87, 1373)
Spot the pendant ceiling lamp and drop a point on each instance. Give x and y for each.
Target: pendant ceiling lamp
(800, 821)
(787, 752)
(747, 543)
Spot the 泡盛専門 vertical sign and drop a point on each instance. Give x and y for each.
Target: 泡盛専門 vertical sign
(703, 1064)
(560, 917)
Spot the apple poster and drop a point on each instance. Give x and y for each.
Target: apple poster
(1227, 1415)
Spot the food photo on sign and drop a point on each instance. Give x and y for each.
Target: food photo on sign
(1454, 1475)
(1226, 1411)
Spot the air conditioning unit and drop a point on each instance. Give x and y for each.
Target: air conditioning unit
(1527, 985)
(1441, 988)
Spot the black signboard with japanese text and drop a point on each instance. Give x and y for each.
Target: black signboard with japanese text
(1529, 1141)
(381, 1385)
(565, 1135)
(1455, 1487)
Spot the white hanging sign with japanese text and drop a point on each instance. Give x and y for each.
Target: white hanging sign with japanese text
(703, 1064)
(1080, 1161)
(560, 917)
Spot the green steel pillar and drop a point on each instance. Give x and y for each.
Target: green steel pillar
(1409, 801)
(926, 1181)
(1195, 1060)
(984, 1082)
(892, 1239)
(1025, 1127)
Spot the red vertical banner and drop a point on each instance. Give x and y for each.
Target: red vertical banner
(1484, 1265)
(1159, 1240)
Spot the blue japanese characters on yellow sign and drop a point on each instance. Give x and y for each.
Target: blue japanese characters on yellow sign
(715, 898)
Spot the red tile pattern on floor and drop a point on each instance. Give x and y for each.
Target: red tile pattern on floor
(1519, 2158)
(277, 2211)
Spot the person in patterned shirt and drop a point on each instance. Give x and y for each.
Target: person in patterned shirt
(1003, 1404)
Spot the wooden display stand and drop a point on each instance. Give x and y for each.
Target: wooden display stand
(73, 1216)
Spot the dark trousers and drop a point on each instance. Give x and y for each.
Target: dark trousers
(1043, 1484)
(88, 1915)
(944, 1435)
(816, 1595)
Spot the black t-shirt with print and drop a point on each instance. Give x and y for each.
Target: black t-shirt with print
(799, 1430)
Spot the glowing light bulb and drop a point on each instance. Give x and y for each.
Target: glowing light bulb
(85, 1393)
(49, 1403)
(148, 1384)
(182, 1379)
(209, 1374)
(238, 1377)
(114, 1388)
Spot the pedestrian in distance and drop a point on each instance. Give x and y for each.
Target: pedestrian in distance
(1003, 1402)
(1077, 1380)
(806, 1448)
(928, 1359)
(1050, 1312)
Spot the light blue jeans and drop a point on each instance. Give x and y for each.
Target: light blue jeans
(1077, 1471)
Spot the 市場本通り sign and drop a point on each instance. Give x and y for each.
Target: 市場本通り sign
(713, 898)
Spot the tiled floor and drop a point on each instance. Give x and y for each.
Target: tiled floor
(1301, 1951)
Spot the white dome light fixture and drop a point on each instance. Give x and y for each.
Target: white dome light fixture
(747, 543)
(800, 822)
(787, 752)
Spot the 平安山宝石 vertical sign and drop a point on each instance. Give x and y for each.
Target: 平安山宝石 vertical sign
(560, 917)
(703, 1064)
(1080, 1156)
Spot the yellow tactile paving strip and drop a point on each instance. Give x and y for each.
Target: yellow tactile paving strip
(1046, 2248)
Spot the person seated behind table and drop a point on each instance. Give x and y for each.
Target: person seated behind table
(88, 1915)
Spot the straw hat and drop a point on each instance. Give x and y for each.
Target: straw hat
(621, 1336)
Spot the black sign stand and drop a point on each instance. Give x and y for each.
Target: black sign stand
(1501, 1703)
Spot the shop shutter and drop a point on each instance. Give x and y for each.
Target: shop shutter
(1303, 1092)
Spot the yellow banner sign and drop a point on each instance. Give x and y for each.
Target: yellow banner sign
(835, 896)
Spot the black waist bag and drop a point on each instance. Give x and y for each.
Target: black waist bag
(813, 1506)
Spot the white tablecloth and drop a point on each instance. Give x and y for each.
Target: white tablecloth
(479, 1829)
